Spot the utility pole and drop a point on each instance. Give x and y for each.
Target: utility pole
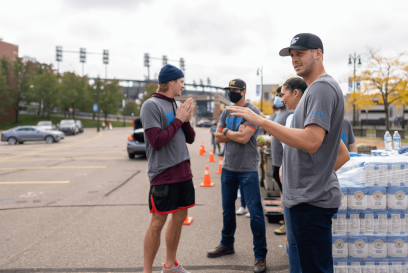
(98, 87)
(260, 70)
(106, 61)
(353, 60)
(147, 64)
(58, 56)
(82, 58)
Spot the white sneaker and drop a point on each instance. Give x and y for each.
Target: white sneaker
(240, 211)
(248, 215)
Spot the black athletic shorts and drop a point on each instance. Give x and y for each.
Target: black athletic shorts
(169, 198)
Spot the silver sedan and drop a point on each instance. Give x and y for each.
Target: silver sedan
(21, 134)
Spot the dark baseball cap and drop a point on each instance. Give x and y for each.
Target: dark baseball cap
(236, 84)
(302, 41)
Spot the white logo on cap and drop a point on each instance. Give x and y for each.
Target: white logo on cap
(294, 40)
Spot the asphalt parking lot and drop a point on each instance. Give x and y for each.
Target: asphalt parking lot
(82, 206)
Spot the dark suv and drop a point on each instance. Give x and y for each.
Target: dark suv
(136, 141)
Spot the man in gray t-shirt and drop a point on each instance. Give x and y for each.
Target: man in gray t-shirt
(347, 136)
(311, 190)
(240, 169)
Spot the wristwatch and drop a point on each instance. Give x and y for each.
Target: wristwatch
(225, 131)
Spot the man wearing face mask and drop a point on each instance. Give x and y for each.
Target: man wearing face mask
(240, 168)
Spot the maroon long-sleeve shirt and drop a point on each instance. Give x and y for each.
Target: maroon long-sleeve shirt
(158, 139)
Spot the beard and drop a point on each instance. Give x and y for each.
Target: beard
(309, 68)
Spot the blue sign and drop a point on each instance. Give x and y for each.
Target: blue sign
(258, 89)
(133, 114)
(95, 107)
(358, 85)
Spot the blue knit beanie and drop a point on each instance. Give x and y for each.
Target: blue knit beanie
(170, 72)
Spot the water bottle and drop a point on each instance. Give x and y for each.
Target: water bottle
(388, 141)
(397, 140)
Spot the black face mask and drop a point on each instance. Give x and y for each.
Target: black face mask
(234, 97)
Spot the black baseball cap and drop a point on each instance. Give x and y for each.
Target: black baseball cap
(236, 84)
(303, 41)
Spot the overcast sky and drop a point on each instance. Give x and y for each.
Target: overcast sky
(220, 40)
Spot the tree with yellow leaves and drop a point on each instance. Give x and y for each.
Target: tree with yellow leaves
(384, 81)
(267, 106)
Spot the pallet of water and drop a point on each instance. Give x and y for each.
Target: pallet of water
(370, 230)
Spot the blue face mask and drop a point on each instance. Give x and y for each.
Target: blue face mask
(278, 102)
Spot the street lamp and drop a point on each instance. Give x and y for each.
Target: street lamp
(353, 61)
(99, 86)
(260, 70)
(123, 105)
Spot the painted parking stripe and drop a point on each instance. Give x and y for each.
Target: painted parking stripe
(67, 158)
(34, 182)
(55, 167)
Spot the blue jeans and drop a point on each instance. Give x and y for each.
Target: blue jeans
(294, 263)
(312, 233)
(249, 184)
(243, 204)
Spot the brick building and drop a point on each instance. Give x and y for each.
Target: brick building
(9, 51)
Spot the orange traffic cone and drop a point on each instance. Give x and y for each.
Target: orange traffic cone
(201, 151)
(207, 178)
(211, 159)
(220, 166)
(202, 145)
(188, 221)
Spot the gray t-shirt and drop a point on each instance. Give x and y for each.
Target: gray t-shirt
(160, 113)
(240, 157)
(347, 134)
(277, 148)
(310, 178)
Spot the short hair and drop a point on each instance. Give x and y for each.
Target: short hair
(278, 90)
(163, 87)
(295, 83)
(274, 107)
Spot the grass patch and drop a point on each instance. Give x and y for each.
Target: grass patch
(371, 131)
(34, 119)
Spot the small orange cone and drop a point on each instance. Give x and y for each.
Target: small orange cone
(211, 159)
(220, 166)
(188, 221)
(201, 151)
(207, 178)
(202, 145)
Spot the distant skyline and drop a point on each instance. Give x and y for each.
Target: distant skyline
(220, 40)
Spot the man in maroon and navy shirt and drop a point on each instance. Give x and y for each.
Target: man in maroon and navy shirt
(167, 130)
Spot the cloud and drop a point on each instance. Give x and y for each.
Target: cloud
(104, 4)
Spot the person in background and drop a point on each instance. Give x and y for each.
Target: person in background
(103, 125)
(213, 142)
(347, 136)
(277, 149)
(240, 169)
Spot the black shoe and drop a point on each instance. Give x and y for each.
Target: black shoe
(260, 266)
(220, 251)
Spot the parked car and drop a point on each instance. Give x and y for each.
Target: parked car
(46, 125)
(204, 123)
(80, 126)
(21, 134)
(136, 141)
(68, 126)
(398, 121)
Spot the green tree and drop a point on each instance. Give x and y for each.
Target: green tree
(75, 92)
(110, 97)
(5, 89)
(131, 107)
(45, 87)
(22, 72)
(148, 90)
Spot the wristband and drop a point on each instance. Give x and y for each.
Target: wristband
(224, 131)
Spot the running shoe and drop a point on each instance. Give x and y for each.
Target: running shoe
(177, 269)
(240, 211)
(248, 215)
(280, 231)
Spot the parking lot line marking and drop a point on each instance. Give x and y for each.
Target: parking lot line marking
(67, 158)
(52, 149)
(56, 167)
(35, 182)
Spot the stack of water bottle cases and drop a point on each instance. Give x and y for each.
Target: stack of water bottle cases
(370, 230)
